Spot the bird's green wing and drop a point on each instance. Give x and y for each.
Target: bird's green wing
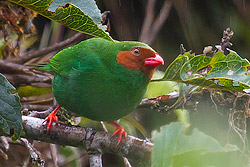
(66, 60)
(63, 61)
(81, 56)
(44, 66)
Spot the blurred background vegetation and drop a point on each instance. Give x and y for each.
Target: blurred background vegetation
(164, 24)
(193, 23)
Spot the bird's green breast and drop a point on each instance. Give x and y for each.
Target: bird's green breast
(93, 85)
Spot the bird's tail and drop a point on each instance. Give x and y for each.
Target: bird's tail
(44, 66)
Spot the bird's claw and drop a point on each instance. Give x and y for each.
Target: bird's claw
(121, 132)
(50, 119)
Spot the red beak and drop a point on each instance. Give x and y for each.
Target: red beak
(154, 61)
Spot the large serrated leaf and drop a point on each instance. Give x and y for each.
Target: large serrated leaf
(173, 148)
(10, 109)
(80, 15)
(226, 72)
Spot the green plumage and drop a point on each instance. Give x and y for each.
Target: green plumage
(89, 82)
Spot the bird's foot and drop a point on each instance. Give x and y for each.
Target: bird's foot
(52, 118)
(120, 131)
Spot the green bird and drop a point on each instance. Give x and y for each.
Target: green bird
(102, 80)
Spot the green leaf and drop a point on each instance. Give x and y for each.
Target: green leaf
(172, 147)
(27, 90)
(229, 72)
(160, 88)
(80, 15)
(10, 109)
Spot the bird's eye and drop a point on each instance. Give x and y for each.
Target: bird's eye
(136, 51)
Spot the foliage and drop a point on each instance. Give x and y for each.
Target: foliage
(15, 27)
(25, 91)
(159, 88)
(10, 109)
(82, 16)
(175, 147)
(227, 72)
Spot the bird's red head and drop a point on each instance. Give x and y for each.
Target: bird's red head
(140, 58)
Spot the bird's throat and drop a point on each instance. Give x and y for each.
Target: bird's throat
(123, 58)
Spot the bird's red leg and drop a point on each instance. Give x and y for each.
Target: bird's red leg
(52, 118)
(120, 130)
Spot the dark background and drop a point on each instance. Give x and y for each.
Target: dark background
(194, 23)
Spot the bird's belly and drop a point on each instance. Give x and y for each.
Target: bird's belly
(101, 102)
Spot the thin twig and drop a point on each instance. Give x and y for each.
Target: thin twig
(103, 126)
(149, 17)
(13, 68)
(22, 75)
(157, 102)
(150, 27)
(37, 107)
(212, 99)
(41, 114)
(126, 162)
(53, 152)
(6, 146)
(34, 154)
(5, 143)
(237, 109)
(33, 54)
(95, 160)
(21, 79)
(160, 20)
(3, 155)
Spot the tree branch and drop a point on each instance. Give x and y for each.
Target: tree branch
(34, 154)
(149, 17)
(150, 27)
(10, 68)
(19, 74)
(160, 20)
(27, 79)
(91, 140)
(58, 46)
(159, 102)
(95, 160)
